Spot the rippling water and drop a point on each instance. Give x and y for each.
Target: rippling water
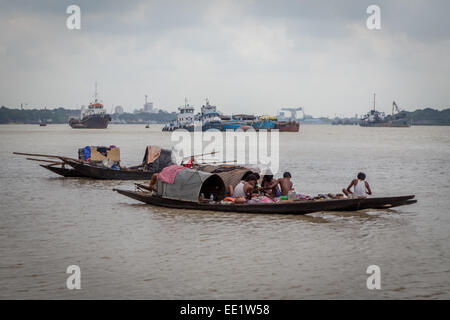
(129, 250)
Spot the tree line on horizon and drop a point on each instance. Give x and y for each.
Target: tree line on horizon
(61, 116)
(427, 116)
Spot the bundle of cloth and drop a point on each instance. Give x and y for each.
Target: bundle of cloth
(168, 174)
(260, 199)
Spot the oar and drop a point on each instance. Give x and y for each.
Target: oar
(42, 160)
(48, 156)
(36, 155)
(206, 162)
(201, 155)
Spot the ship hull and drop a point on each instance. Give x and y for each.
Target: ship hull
(385, 124)
(287, 126)
(91, 122)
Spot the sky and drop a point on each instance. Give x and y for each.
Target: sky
(246, 56)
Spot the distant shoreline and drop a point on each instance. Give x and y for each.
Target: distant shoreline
(419, 117)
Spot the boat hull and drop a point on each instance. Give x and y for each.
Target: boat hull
(91, 122)
(65, 172)
(291, 126)
(389, 124)
(101, 173)
(294, 207)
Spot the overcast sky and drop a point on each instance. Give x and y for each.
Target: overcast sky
(245, 56)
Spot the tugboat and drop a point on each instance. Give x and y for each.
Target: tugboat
(379, 119)
(207, 119)
(185, 119)
(92, 117)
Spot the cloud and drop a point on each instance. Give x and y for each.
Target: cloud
(256, 56)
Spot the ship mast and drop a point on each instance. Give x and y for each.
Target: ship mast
(374, 102)
(95, 92)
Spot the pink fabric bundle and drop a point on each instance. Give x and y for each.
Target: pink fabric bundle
(169, 173)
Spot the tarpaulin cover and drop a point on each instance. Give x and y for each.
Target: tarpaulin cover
(189, 184)
(164, 160)
(153, 153)
(169, 173)
(232, 178)
(87, 153)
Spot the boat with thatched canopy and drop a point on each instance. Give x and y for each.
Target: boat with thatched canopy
(191, 189)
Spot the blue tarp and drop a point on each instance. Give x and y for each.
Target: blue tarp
(87, 153)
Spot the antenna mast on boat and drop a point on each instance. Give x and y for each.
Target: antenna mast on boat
(95, 92)
(374, 101)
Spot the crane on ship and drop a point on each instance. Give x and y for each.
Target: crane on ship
(395, 107)
(293, 112)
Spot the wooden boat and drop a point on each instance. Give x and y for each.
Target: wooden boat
(104, 173)
(293, 207)
(80, 168)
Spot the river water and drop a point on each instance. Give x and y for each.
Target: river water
(129, 250)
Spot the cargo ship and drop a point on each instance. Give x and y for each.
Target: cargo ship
(379, 119)
(210, 118)
(92, 117)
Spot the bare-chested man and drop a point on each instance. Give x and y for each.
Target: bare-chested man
(285, 183)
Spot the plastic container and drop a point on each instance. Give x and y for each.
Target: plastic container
(291, 194)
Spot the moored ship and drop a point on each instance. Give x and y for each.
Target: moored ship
(210, 118)
(92, 117)
(379, 119)
(185, 119)
(289, 124)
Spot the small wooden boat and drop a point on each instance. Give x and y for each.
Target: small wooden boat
(96, 172)
(71, 167)
(293, 207)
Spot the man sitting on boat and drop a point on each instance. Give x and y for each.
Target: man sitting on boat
(245, 189)
(285, 183)
(154, 182)
(269, 186)
(360, 186)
